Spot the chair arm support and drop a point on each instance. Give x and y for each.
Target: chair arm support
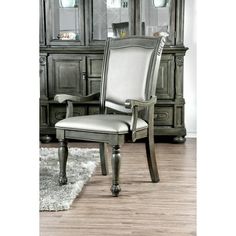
(135, 106)
(65, 97)
(69, 99)
(130, 103)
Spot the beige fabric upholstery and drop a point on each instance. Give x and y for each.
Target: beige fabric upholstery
(114, 124)
(127, 74)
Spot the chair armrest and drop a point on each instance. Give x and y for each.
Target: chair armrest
(135, 106)
(69, 99)
(65, 97)
(130, 103)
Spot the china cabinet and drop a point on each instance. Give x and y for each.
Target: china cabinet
(72, 39)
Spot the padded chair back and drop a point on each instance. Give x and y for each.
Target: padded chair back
(130, 70)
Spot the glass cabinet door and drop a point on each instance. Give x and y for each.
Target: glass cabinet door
(65, 19)
(109, 18)
(157, 16)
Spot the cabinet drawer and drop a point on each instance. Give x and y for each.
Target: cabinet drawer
(66, 74)
(165, 81)
(163, 116)
(58, 112)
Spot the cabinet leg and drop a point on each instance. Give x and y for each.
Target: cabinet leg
(179, 139)
(45, 139)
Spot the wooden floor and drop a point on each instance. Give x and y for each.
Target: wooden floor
(143, 208)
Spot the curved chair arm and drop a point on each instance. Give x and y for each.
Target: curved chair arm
(130, 103)
(135, 106)
(69, 99)
(65, 97)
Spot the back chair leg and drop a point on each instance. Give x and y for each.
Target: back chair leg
(63, 154)
(103, 158)
(151, 158)
(115, 162)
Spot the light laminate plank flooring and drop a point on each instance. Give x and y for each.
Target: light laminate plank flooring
(143, 208)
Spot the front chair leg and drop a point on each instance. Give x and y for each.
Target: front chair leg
(63, 154)
(115, 162)
(151, 158)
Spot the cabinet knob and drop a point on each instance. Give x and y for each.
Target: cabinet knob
(83, 76)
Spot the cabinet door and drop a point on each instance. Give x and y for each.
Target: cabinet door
(65, 22)
(66, 74)
(109, 18)
(94, 73)
(155, 16)
(165, 81)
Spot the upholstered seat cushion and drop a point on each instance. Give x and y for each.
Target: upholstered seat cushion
(113, 124)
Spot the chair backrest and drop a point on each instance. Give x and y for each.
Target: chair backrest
(130, 70)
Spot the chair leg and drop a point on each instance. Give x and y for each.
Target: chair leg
(151, 158)
(115, 162)
(63, 154)
(103, 158)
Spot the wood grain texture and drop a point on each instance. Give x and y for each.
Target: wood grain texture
(143, 208)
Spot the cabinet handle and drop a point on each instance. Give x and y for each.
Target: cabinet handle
(84, 84)
(83, 76)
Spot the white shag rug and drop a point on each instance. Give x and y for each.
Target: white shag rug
(80, 166)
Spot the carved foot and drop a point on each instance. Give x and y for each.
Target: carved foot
(115, 189)
(62, 180)
(179, 139)
(46, 139)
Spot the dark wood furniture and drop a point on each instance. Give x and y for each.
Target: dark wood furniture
(128, 86)
(71, 56)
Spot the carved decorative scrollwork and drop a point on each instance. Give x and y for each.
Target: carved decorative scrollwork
(162, 116)
(179, 60)
(42, 61)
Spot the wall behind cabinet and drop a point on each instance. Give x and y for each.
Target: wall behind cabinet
(190, 68)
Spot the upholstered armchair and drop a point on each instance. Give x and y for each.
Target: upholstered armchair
(129, 78)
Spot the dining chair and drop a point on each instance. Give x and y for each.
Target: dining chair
(128, 87)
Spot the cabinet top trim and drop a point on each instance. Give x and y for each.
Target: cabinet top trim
(100, 50)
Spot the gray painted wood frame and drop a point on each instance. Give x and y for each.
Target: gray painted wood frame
(115, 139)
